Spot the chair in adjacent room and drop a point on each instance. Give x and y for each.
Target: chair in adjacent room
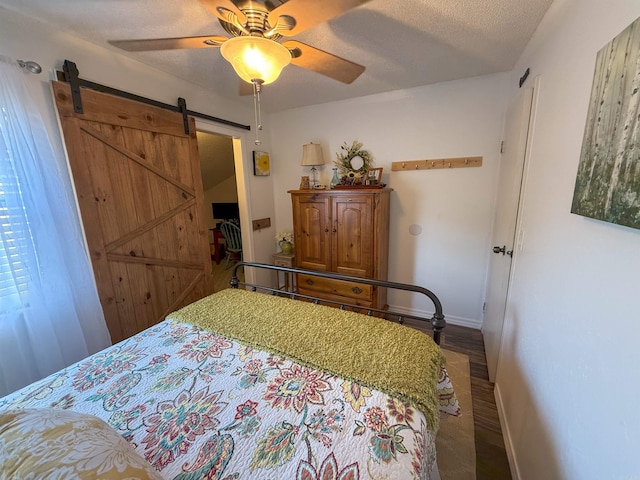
(233, 239)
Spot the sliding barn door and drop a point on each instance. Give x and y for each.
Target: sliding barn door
(139, 188)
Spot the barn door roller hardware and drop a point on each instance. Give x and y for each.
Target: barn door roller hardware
(523, 78)
(70, 75)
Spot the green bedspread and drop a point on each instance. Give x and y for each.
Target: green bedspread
(398, 360)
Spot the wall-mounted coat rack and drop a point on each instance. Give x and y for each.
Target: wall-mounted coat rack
(461, 162)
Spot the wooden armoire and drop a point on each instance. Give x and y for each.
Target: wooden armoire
(342, 231)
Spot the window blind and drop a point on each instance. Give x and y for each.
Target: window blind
(15, 235)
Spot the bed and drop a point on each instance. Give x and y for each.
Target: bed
(214, 391)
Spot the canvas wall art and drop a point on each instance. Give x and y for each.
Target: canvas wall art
(261, 164)
(608, 180)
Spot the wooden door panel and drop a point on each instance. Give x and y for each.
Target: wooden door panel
(353, 239)
(349, 243)
(138, 211)
(139, 189)
(157, 195)
(115, 176)
(312, 232)
(118, 112)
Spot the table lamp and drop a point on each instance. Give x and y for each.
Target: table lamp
(311, 157)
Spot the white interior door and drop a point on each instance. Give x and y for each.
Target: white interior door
(509, 186)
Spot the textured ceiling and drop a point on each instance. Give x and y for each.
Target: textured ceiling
(402, 44)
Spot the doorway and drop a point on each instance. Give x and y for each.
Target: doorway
(222, 163)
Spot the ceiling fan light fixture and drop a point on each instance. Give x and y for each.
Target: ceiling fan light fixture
(256, 58)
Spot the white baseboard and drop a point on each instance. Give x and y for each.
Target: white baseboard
(460, 321)
(464, 322)
(506, 434)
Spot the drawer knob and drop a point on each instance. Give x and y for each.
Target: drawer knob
(309, 281)
(356, 290)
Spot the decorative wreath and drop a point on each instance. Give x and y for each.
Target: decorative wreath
(348, 153)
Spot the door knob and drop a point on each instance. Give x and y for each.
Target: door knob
(503, 250)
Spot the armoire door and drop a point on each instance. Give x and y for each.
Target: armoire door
(352, 251)
(139, 189)
(311, 231)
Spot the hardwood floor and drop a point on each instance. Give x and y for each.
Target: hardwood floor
(222, 275)
(491, 457)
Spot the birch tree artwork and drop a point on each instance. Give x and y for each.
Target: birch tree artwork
(608, 180)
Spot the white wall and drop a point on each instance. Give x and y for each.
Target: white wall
(454, 207)
(567, 381)
(225, 191)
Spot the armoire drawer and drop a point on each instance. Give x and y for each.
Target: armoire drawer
(357, 291)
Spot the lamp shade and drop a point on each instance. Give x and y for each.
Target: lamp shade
(312, 154)
(256, 58)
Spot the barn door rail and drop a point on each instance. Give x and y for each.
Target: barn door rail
(70, 74)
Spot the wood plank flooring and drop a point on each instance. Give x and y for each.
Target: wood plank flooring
(221, 275)
(491, 456)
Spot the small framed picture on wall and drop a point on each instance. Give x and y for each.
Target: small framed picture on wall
(261, 164)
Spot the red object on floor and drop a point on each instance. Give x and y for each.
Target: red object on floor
(217, 246)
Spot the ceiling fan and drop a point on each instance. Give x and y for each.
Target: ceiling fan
(255, 49)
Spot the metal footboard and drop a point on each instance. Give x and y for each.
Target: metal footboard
(437, 321)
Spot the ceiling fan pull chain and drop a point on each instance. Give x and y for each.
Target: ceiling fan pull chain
(257, 86)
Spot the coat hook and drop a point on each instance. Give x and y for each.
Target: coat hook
(433, 164)
(449, 164)
(403, 164)
(417, 167)
(466, 161)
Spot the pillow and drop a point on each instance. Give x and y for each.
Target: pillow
(61, 444)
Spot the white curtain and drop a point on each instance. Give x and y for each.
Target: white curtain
(50, 314)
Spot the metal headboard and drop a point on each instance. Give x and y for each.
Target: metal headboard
(437, 321)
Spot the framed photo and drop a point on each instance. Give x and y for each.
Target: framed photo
(374, 176)
(261, 164)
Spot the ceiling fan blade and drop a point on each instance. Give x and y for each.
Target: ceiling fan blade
(285, 24)
(308, 13)
(169, 43)
(323, 62)
(227, 7)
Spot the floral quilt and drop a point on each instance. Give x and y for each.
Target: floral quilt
(198, 405)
